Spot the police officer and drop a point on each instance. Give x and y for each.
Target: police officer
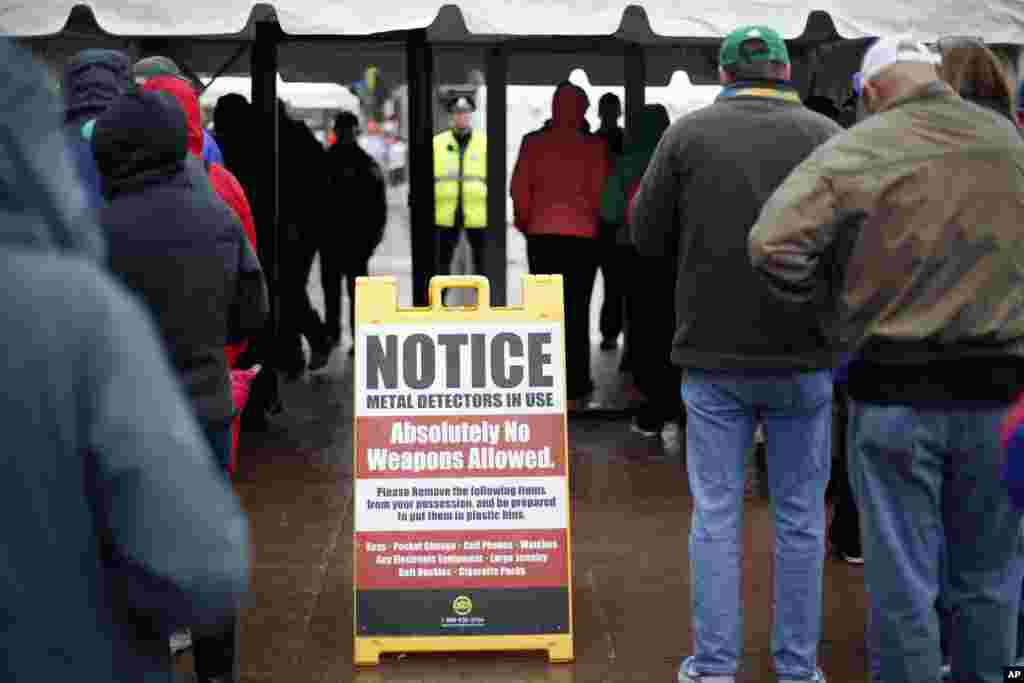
(460, 184)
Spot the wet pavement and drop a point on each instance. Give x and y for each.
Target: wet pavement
(631, 507)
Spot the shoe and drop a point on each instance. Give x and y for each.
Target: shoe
(846, 546)
(646, 428)
(318, 357)
(853, 559)
(609, 344)
(688, 675)
(180, 641)
(818, 677)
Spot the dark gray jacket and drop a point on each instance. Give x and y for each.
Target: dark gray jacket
(701, 194)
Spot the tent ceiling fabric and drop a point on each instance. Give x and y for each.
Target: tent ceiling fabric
(998, 21)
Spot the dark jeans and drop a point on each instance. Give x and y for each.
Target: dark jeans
(449, 240)
(649, 333)
(219, 438)
(298, 317)
(846, 520)
(334, 267)
(575, 259)
(214, 651)
(936, 522)
(614, 264)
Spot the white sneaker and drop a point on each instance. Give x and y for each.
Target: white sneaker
(642, 430)
(688, 675)
(819, 677)
(181, 641)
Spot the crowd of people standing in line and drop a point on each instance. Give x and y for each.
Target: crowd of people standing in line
(813, 263)
(840, 275)
(124, 203)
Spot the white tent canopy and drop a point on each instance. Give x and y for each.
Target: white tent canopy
(297, 95)
(998, 21)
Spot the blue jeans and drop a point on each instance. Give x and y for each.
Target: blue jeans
(931, 501)
(722, 412)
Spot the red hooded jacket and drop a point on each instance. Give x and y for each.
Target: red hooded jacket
(222, 180)
(561, 173)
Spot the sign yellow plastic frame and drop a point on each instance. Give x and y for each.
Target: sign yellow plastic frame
(376, 303)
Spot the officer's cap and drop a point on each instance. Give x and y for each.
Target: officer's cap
(462, 103)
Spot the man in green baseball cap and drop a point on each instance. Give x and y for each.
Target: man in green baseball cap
(763, 363)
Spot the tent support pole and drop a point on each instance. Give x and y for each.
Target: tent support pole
(496, 259)
(420, 72)
(636, 81)
(266, 207)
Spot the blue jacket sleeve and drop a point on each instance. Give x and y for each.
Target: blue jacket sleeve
(178, 540)
(211, 150)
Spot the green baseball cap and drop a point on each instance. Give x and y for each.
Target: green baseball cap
(753, 44)
(156, 66)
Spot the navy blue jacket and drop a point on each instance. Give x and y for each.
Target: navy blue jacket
(118, 526)
(92, 81)
(177, 244)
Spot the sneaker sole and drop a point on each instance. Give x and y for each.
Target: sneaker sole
(643, 432)
(849, 559)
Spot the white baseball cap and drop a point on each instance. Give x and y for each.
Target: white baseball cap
(898, 49)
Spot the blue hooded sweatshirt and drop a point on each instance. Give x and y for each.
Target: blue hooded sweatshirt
(93, 80)
(118, 528)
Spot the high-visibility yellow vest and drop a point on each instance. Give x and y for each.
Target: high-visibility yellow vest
(473, 179)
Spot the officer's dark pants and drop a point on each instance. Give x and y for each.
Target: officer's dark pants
(575, 259)
(449, 241)
(614, 269)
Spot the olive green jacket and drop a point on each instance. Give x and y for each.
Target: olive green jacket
(906, 232)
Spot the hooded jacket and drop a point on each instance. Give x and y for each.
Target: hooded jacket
(92, 81)
(125, 530)
(234, 130)
(561, 173)
(356, 181)
(223, 182)
(651, 123)
(177, 244)
(159, 65)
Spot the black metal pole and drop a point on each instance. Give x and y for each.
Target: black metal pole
(636, 83)
(265, 203)
(496, 259)
(420, 68)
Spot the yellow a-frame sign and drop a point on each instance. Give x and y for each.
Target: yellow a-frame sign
(462, 512)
